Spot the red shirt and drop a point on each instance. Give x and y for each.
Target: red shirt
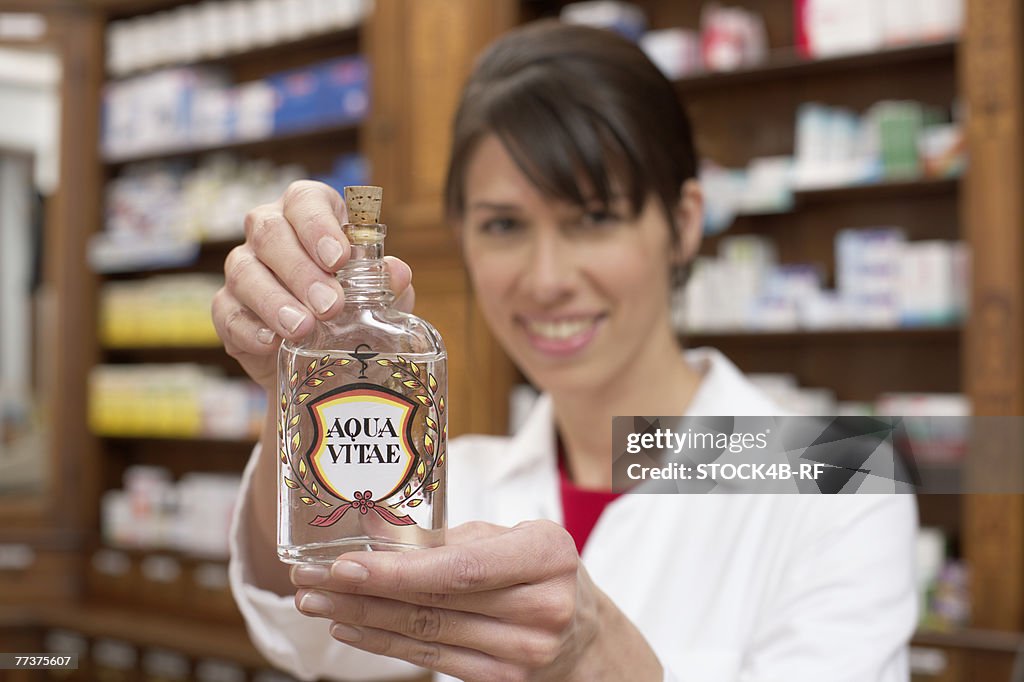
(581, 508)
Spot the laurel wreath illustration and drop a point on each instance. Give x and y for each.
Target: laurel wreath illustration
(423, 480)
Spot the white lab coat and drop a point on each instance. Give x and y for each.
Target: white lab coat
(737, 588)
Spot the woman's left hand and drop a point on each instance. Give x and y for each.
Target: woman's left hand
(494, 603)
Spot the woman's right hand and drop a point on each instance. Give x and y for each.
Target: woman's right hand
(282, 277)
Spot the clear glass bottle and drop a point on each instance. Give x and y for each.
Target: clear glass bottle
(362, 429)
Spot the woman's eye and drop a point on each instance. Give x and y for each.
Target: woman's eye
(599, 218)
(498, 226)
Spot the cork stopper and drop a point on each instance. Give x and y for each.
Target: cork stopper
(363, 204)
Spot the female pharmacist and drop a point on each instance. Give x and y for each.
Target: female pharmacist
(572, 187)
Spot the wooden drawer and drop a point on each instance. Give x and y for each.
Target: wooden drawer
(30, 575)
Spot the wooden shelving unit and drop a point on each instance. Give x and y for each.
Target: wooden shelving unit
(399, 146)
(751, 113)
(420, 52)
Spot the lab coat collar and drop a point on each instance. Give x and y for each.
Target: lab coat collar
(723, 391)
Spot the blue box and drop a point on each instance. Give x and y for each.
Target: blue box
(344, 90)
(296, 97)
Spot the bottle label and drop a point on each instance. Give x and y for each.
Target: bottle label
(362, 441)
(350, 442)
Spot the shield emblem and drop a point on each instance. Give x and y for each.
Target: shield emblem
(362, 441)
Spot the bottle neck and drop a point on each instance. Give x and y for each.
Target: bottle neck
(364, 277)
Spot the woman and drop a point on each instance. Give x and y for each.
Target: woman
(572, 187)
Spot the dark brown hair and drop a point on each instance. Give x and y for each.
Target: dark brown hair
(575, 106)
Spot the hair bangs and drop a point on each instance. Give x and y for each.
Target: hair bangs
(567, 151)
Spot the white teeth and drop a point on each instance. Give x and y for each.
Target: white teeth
(559, 329)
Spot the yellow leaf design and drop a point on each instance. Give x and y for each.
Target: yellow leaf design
(414, 368)
(431, 423)
(411, 383)
(432, 487)
(440, 461)
(284, 457)
(302, 468)
(312, 366)
(444, 433)
(328, 373)
(415, 503)
(294, 379)
(326, 504)
(308, 500)
(429, 442)
(290, 483)
(284, 401)
(383, 363)
(420, 470)
(397, 375)
(440, 404)
(314, 382)
(312, 486)
(401, 360)
(342, 363)
(432, 381)
(302, 398)
(408, 490)
(325, 359)
(423, 399)
(295, 440)
(294, 421)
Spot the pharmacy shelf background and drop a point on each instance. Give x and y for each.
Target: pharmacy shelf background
(172, 197)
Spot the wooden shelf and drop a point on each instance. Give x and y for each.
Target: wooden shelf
(334, 38)
(193, 637)
(896, 189)
(945, 334)
(135, 353)
(142, 553)
(340, 135)
(209, 259)
(788, 64)
(974, 639)
(873, 191)
(121, 8)
(191, 441)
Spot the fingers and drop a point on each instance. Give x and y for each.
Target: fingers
(529, 553)
(400, 279)
(274, 241)
(252, 284)
(239, 328)
(459, 662)
(539, 602)
(430, 624)
(317, 213)
(532, 552)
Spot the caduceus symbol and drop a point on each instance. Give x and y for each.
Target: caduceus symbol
(362, 356)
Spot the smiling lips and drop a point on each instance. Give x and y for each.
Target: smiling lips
(563, 335)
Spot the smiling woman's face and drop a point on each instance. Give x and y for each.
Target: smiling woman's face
(575, 296)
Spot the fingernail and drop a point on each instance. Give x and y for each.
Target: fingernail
(310, 575)
(264, 335)
(316, 603)
(349, 570)
(346, 633)
(291, 318)
(322, 297)
(329, 250)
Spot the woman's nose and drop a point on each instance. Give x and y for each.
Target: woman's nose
(550, 270)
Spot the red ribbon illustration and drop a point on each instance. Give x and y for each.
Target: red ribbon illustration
(365, 504)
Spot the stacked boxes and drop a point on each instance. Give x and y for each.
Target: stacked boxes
(188, 107)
